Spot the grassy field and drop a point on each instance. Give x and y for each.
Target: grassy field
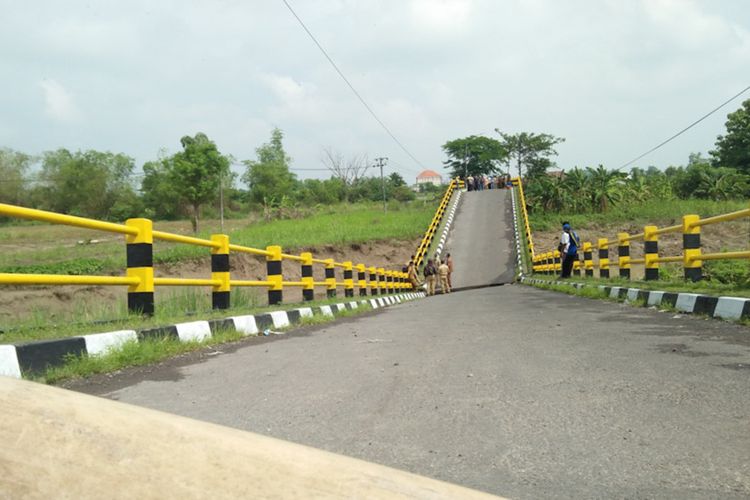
(39, 248)
(663, 213)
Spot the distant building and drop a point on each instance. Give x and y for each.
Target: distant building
(429, 176)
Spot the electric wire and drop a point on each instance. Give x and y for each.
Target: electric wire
(351, 87)
(696, 122)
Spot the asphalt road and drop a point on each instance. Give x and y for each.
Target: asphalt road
(511, 390)
(480, 241)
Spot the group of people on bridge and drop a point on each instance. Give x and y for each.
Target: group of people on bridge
(482, 182)
(434, 272)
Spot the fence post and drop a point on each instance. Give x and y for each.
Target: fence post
(220, 295)
(555, 262)
(588, 259)
(373, 281)
(577, 266)
(603, 245)
(361, 283)
(381, 281)
(623, 255)
(140, 264)
(273, 268)
(348, 279)
(330, 278)
(651, 252)
(691, 248)
(308, 290)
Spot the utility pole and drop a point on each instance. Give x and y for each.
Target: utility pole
(381, 163)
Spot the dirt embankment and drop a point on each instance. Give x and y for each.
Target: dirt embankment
(17, 303)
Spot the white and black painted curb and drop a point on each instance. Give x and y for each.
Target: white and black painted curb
(448, 224)
(519, 254)
(35, 357)
(729, 308)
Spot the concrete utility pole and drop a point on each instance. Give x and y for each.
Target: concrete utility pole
(381, 163)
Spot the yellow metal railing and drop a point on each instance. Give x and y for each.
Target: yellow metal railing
(429, 235)
(692, 258)
(140, 280)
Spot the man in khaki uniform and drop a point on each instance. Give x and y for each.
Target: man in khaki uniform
(443, 271)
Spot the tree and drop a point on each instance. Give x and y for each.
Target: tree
(733, 148)
(160, 197)
(268, 177)
(606, 187)
(396, 180)
(349, 171)
(13, 168)
(88, 183)
(474, 155)
(196, 172)
(525, 149)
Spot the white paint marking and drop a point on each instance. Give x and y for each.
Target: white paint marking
(102, 343)
(280, 319)
(654, 298)
(729, 307)
(195, 330)
(9, 366)
(246, 325)
(686, 302)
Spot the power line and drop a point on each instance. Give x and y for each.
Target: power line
(696, 122)
(346, 80)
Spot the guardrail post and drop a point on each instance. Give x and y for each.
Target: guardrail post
(577, 267)
(373, 281)
(651, 252)
(330, 278)
(361, 283)
(273, 268)
(348, 279)
(603, 245)
(140, 264)
(308, 290)
(623, 255)
(691, 248)
(381, 281)
(555, 262)
(220, 295)
(588, 259)
(389, 281)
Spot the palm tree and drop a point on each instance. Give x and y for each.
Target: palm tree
(606, 186)
(578, 188)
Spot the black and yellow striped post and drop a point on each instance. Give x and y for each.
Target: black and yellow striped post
(651, 252)
(588, 259)
(381, 281)
(374, 286)
(577, 266)
(275, 278)
(389, 282)
(140, 262)
(403, 283)
(330, 278)
(555, 261)
(220, 298)
(623, 255)
(691, 248)
(361, 283)
(308, 289)
(603, 245)
(348, 279)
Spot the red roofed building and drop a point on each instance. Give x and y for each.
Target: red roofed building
(429, 176)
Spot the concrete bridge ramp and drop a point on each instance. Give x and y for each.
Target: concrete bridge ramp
(481, 239)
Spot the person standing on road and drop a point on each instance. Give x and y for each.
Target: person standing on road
(443, 273)
(449, 261)
(430, 275)
(568, 247)
(412, 275)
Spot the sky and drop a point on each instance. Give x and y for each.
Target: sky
(613, 77)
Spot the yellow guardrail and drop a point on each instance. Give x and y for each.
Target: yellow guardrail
(692, 258)
(429, 235)
(141, 282)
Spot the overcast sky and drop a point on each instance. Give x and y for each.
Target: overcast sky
(613, 77)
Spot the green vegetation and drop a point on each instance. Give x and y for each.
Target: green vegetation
(153, 350)
(332, 225)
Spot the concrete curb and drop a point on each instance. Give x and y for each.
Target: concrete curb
(448, 224)
(34, 357)
(729, 308)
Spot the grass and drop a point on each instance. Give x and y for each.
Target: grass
(659, 212)
(49, 249)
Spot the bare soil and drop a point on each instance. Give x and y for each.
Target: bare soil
(19, 303)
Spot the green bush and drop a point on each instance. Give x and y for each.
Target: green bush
(734, 272)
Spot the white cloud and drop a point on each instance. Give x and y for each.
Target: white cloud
(58, 102)
(441, 15)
